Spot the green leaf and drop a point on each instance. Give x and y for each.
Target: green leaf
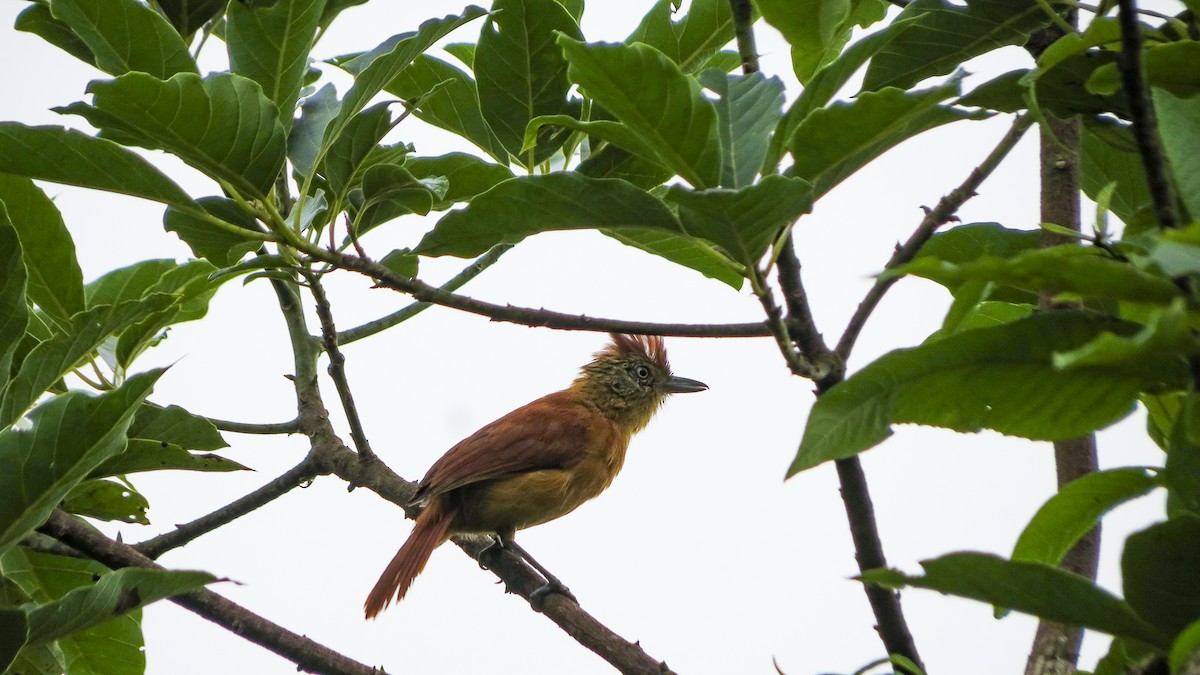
(834, 142)
(1185, 649)
(221, 125)
(14, 309)
(67, 156)
(743, 222)
(520, 71)
(71, 435)
(146, 455)
(1170, 66)
(308, 132)
(818, 29)
(1162, 411)
(346, 157)
(1178, 119)
(14, 631)
(691, 41)
(1058, 269)
(698, 255)
(1165, 337)
(970, 242)
(270, 45)
(189, 16)
(1159, 567)
(36, 19)
(1078, 506)
(611, 161)
(1032, 588)
(608, 131)
(981, 314)
(55, 281)
(177, 426)
(747, 111)
(114, 594)
(107, 500)
(945, 35)
(402, 262)
(998, 378)
(215, 244)
(53, 358)
(1109, 155)
(447, 98)
(380, 66)
(390, 191)
(465, 174)
(1182, 474)
(660, 105)
(126, 36)
(527, 205)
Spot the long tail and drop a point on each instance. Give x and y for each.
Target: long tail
(432, 528)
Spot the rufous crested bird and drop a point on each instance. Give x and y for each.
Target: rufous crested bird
(538, 462)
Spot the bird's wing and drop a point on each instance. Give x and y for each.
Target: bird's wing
(551, 432)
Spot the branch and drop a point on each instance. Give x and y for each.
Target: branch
(309, 656)
(827, 367)
(404, 314)
(1145, 125)
(743, 28)
(525, 316)
(935, 218)
(184, 534)
(337, 366)
(289, 427)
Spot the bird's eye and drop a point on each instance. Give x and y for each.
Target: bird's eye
(642, 373)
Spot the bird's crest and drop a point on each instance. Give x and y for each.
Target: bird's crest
(650, 347)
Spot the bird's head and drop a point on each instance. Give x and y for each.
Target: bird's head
(630, 378)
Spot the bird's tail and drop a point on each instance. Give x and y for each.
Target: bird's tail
(432, 528)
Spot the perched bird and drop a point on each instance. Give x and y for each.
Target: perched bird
(538, 462)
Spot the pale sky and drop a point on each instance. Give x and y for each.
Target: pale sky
(699, 550)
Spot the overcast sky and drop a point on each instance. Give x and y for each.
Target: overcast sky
(699, 550)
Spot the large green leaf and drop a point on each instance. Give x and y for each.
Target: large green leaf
(694, 253)
(375, 69)
(659, 104)
(71, 435)
(520, 71)
(346, 156)
(270, 44)
(308, 132)
(189, 16)
(107, 500)
(1178, 120)
(612, 161)
(115, 646)
(1182, 474)
(390, 191)
(176, 426)
(1060, 269)
(1108, 155)
(743, 222)
(55, 281)
(527, 205)
(37, 19)
(1075, 510)
(14, 309)
(222, 125)
(1169, 66)
(67, 156)
(694, 39)
(946, 35)
(53, 358)
(14, 631)
(147, 455)
(218, 245)
(466, 175)
(835, 141)
(748, 108)
(1158, 568)
(1000, 378)
(446, 97)
(126, 36)
(1041, 590)
(818, 29)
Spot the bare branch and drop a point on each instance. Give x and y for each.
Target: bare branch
(934, 218)
(308, 655)
(289, 427)
(184, 534)
(1145, 124)
(743, 27)
(404, 314)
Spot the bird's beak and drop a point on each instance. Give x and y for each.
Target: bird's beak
(682, 385)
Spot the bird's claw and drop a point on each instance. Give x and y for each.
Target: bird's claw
(537, 598)
(488, 554)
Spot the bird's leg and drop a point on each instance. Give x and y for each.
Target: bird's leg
(490, 552)
(552, 585)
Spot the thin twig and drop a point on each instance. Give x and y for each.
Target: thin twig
(526, 316)
(188, 532)
(337, 366)
(1141, 111)
(934, 218)
(289, 427)
(404, 314)
(308, 655)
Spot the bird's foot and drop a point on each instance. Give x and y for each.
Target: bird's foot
(538, 597)
(488, 555)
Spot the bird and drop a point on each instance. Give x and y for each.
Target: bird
(536, 463)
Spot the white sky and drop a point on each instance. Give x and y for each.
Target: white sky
(699, 550)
